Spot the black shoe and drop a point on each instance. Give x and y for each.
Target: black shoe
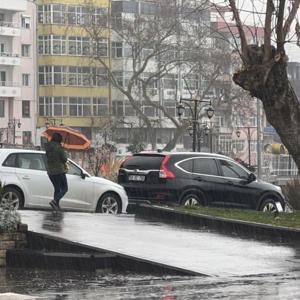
(54, 205)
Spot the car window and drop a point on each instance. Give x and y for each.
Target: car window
(73, 170)
(32, 161)
(143, 162)
(231, 169)
(186, 165)
(10, 161)
(205, 166)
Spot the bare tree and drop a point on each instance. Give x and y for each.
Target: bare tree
(172, 40)
(264, 67)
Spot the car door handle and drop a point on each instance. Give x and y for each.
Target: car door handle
(229, 182)
(26, 177)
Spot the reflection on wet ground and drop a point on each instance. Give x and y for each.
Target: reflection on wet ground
(72, 285)
(239, 268)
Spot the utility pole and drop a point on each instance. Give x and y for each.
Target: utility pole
(258, 138)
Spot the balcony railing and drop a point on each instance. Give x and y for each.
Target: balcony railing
(7, 54)
(9, 83)
(9, 24)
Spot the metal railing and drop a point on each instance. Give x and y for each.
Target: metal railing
(9, 83)
(9, 24)
(7, 54)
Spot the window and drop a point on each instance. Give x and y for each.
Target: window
(26, 136)
(100, 106)
(80, 106)
(45, 106)
(10, 161)
(205, 166)
(45, 75)
(31, 161)
(117, 50)
(60, 75)
(101, 48)
(25, 50)
(25, 79)
(60, 106)
(58, 13)
(25, 108)
(232, 170)
(2, 47)
(74, 170)
(186, 165)
(44, 44)
(25, 22)
(2, 109)
(58, 44)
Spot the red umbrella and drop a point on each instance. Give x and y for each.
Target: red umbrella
(72, 139)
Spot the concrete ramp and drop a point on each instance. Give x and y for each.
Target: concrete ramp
(197, 251)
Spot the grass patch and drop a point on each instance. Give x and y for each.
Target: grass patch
(291, 220)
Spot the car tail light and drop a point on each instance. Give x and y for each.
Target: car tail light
(164, 172)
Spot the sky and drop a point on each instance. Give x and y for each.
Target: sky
(247, 6)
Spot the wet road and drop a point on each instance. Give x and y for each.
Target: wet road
(239, 268)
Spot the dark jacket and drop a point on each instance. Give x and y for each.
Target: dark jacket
(56, 158)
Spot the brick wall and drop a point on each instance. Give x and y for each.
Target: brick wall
(12, 240)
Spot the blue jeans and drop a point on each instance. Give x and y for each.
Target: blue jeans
(60, 186)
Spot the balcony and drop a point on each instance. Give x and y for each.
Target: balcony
(10, 89)
(9, 59)
(9, 29)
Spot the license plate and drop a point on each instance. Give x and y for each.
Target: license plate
(136, 177)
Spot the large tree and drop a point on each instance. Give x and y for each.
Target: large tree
(264, 67)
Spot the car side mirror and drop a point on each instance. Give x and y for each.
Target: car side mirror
(83, 175)
(251, 177)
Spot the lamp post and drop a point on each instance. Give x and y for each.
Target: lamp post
(12, 124)
(194, 105)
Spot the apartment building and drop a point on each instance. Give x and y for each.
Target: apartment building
(72, 91)
(17, 72)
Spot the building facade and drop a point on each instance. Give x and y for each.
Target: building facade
(17, 72)
(72, 91)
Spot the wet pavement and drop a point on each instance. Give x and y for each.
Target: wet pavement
(238, 268)
(201, 251)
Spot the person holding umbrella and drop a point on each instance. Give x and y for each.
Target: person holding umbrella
(57, 168)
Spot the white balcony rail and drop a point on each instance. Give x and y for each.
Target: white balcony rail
(9, 83)
(9, 24)
(7, 54)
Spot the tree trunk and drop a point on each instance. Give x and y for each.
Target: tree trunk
(173, 142)
(269, 83)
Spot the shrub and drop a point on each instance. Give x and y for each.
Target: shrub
(9, 217)
(292, 192)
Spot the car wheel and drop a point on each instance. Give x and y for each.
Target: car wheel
(269, 205)
(13, 196)
(109, 203)
(191, 200)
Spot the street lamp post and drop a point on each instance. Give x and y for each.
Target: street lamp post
(195, 110)
(12, 124)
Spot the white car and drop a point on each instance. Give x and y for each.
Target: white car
(24, 177)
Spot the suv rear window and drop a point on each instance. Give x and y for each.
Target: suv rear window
(143, 162)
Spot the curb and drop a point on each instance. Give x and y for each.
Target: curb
(239, 228)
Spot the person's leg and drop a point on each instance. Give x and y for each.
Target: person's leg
(63, 187)
(56, 184)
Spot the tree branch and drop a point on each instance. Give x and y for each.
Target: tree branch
(240, 29)
(267, 36)
(290, 18)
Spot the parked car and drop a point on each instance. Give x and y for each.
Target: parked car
(26, 183)
(196, 179)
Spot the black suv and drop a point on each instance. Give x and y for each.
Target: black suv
(196, 179)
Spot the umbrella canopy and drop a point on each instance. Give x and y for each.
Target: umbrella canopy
(72, 139)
